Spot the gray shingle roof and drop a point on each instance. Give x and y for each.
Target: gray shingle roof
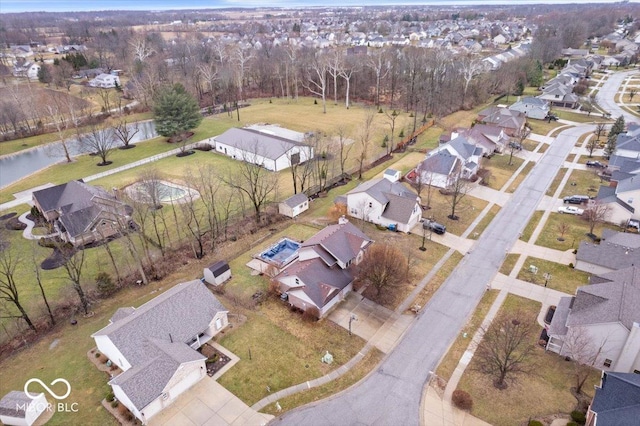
(614, 251)
(178, 314)
(321, 283)
(629, 184)
(376, 188)
(399, 208)
(10, 403)
(558, 326)
(441, 163)
(255, 142)
(617, 401)
(144, 382)
(614, 301)
(296, 200)
(342, 241)
(218, 268)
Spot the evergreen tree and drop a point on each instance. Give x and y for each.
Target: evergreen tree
(176, 111)
(612, 138)
(44, 74)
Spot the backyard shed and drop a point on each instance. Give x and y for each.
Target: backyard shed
(16, 408)
(293, 206)
(217, 273)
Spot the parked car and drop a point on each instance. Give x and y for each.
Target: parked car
(570, 210)
(595, 164)
(515, 145)
(576, 199)
(436, 227)
(551, 117)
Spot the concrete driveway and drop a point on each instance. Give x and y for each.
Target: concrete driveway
(209, 404)
(376, 324)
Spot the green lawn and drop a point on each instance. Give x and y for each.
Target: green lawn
(500, 169)
(542, 127)
(582, 182)
(450, 361)
(545, 392)
(509, 263)
(556, 181)
(467, 210)
(575, 232)
(278, 349)
(531, 226)
(563, 277)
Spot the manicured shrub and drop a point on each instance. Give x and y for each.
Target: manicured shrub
(578, 417)
(97, 355)
(462, 399)
(114, 404)
(110, 396)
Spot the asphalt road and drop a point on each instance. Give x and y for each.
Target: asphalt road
(606, 96)
(392, 394)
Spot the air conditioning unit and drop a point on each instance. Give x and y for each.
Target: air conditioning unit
(165, 396)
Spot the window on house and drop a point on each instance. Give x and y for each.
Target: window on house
(370, 205)
(607, 362)
(297, 281)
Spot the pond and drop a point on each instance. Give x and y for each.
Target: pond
(21, 164)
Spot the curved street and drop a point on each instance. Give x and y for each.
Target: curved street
(393, 392)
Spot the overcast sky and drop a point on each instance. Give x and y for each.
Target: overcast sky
(7, 6)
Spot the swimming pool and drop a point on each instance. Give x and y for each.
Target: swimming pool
(281, 253)
(160, 191)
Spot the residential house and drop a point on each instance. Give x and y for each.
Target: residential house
(268, 150)
(294, 205)
(606, 312)
(440, 170)
(532, 107)
(622, 196)
(617, 250)
(616, 400)
(322, 275)
(513, 122)
(465, 150)
(81, 213)
(105, 81)
(27, 69)
(19, 409)
(492, 139)
(385, 203)
(560, 96)
(155, 345)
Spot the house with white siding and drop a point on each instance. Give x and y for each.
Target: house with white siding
(606, 315)
(262, 147)
(385, 203)
(155, 345)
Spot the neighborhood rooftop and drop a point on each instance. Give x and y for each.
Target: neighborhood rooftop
(257, 142)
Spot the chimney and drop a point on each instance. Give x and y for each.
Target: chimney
(342, 220)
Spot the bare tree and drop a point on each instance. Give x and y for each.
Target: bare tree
(209, 185)
(195, 221)
(378, 63)
(458, 189)
(344, 146)
(600, 130)
(595, 213)
(252, 179)
(364, 140)
(470, 67)
(563, 228)
(632, 93)
(125, 133)
(316, 78)
(335, 67)
(518, 142)
(580, 346)
(592, 144)
(100, 141)
(9, 293)
(391, 121)
(36, 268)
(140, 48)
(73, 264)
(506, 348)
(383, 266)
(347, 71)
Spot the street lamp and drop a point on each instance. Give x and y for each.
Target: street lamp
(352, 318)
